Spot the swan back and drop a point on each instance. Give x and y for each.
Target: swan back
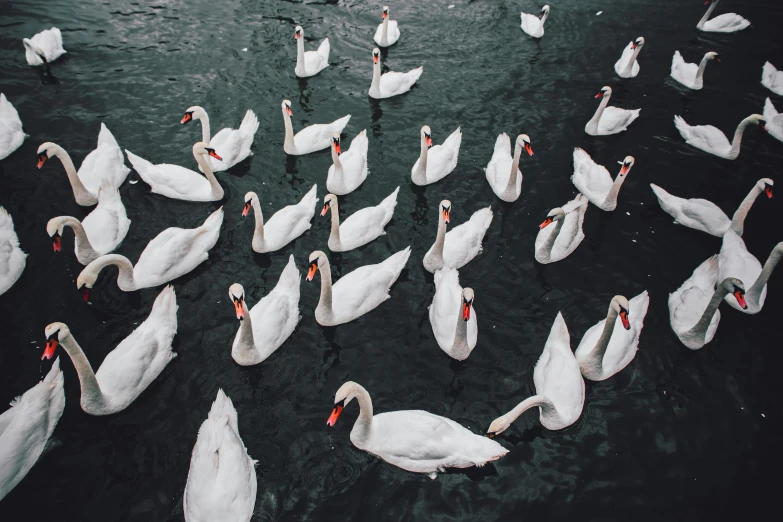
(557, 377)
(12, 258)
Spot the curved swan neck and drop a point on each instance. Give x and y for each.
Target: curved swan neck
(629, 66)
(699, 330)
(213, 182)
(289, 143)
(541, 401)
(338, 165)
(600, 111)
(325, 301)
(440, 240)
(91, 390)
(546, 248)
(512, 178)
(81, 194)
(738, 219)
(597, 355)
(754, 294)
(706, 16)
(420, 176)
(204, 118)
(543, 18)
(125, 279)
(611, 196)
(362, 428)
(700, 73)
(246, 343)
(735, 143)
(258, 234)
(83, 246)
(335, 211)
(460, 349)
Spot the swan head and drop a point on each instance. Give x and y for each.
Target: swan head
(627, 163)
(544, 11)
(620, 305)
(385, 14)
(735, 287)
(336, 143)
(286, 106)
(55, 230)
(316, 260)
(498, 426)
(605, 91)
(298, 32)
(327, 203)
(765, 185)
(556, 214)
(203, 148)
(376, 56)
(55, 333)
(45, 151)
(347, 392)
(426, 136)
(86, 280)
(444, 214)
(237, 294)
(30, 46)
(249, 197)
(467, 302)
(712, 55)
(523, 142)
(758, 119)
(639, 42)
(194, 112)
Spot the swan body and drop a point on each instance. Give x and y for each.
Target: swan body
(11, 133)
(349, 168)
(534, 25)
(362, 226)
(772, 79)
(12, 259)
(388, 32)
(436, 161)
(310, 139)
(595, 182)
(725, 23)
(459, 245)
(44, 47)
(310, 63)
(690, 74)
(503, 172)
(233, 144)
(774, 120)
(452, 316)
(391, 83)
(627, 66)
(712, 140)
(609, 120)
(284, 226)
(555, 243)
(357, 292)
(735, 261)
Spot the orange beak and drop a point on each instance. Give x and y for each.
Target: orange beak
(717, 59)
(384, 16)
(311, 274)
(56, 242)
(239, 308)
(297, 35)
(338, 409)
(246, 209)
(599, 94)
(548, 221)
(374, 58)
(465, 310)
(215, 155)
(428, 141)
(51, 346)
(337, 148)
(529, 149)
(624, 319)
(186, 118)
(42, 159)
(325, 209)
(446, 214)
(768, 192)
(633, 45)
(741, 299)
(289, 111)
(85, 294)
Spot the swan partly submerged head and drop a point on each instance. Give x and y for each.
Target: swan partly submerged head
(523, 141)
(327, 203)
(620, 305)
(467, 302)
(498, 426)
(765, 185)
(735, 287)
(556, 214)
(316, 260)
(445, 211)
(54, 333)
(237, 294)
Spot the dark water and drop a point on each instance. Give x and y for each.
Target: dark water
(677, 435)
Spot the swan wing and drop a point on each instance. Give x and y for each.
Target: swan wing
(590, 178)
(726, 23)
(12, 258)
(682, 71)
(318, 136)
(368, 286)
(445, 308)
(366, 224)
(463, 242)
(687, 303)
(499, 167)
(557, 374)
(622, 63)
(290, 222)
(11, 133)
(734, 260)
(616, 120)
(393, 83)
(442, 159)
(172, 181)
(705, 137)
(571, 234)
(531, 24)
(107, 225)
(624, 343)
(698, 214)
(772, 79)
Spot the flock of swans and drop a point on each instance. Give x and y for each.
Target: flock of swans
(221, 484)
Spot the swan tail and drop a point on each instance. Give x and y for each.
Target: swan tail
(454, 140)
(677, 59)
(390, 201)
(684, 128)
(223, 408)
(6, 221)
(638, 307)
(360, 143)
(310, 200)
(164, 309)
(672, 205)
(324, 49)
(706, 274)
(768, 72)
(140, 165)
(482, 218)
(339, 125)
(769, 110)
(249, 124)
(214, 221)
(290, 278)
(396, 262)
(485, 450)
(413, 75)
(105, 137)
(503, 143)
(558, 332)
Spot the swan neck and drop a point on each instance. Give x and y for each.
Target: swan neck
(629, 66)
(541, 401)
(600, 111)
(611, 196)
(258, 234)
(700, 329)
(706, 16)
(735, 143)
(375, 86)
(385, 32)
(700, 72)
(91, 390)
(246, 343)
(546, 248)
(338, 165)
(125, 279)
(213, 182)
(325, 301)
(80, 192)
(289, 143)
(754, 294)
(440, 240)
(205, 130)
(512, 178)
(420, 176)
(597, 355)
(738, 219)
(335, 211)
(83, 246)
(543, 18)
(300, 54)
(461, 349)
(362, 428)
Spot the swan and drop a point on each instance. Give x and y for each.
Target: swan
(610, 345)
(284, 226)
(693, 308)
(774, 120)
(414, 440)
(452, 316)
(233, 144)
(349, 168)
(609, 120)
(725, 23)
(461, 244)
(11, 133)
(712, 140)
(503, 172)
(560, 389)
(106, 161)
(177, 182)
(556, 243)
(312, 138)
(595, 182)
(100, 233)
(27, 426)
(128, 369)
(534, 25)
(436, 161)
(690, 74)
(357, 292)
(390, 84)
(362, 226)
(772, 79)
(707, 216)
(310, 63)
(12, 259)
(44, 47)
(171, 254)
(388, 32)
(627, 66)
(221, 485)
(734, 261)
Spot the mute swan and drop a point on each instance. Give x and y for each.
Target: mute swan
(609, 120)
(310, 63)
(284, 226)
(503, 172)
(27, 426)
(12, 259)
(44, 47)
(349, 168)
(100, 233)
(556, 243)
(772, 79)
(128, 369)
(735, 261)
(452, 316)
(461, 244)
(106, 161)
(707, 216)
(11, 133)
(560, 389)
(357, 292)
(610, 345)
(774, 120)
(413, 440)
(387, 33)
(595, 182)
(362, 226)
(221, 485)
(312, 138)
(725, 23)
(390, 84)
(693, 308)
(690, 74)
(270, 322)
(233, 144)
(627, 66)
(171, 254)
(438, 161)
(712, 140)
(534, 25)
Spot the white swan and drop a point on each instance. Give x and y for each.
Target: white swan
(725, 23)
(693, 308)
(627, 66)
(12, 259)
(171, 254)
(390, 84)
(349, 168)
(100, 233)
(772, 79)
(609, 120)
(310, 63)
(414, 440)
(221, 485)
(436, 161)
(534, 25)
(27, 426)
(128, 369)
(707, 216)
(610, 345)
(712, 140)
(11, 133)
(595, 182)
(774, 120)
(106, 161)
(560, 389)
(284, 226)
(503, 172)
(388, 32)
(556, 243)
(357, 292)
(233, 144)
(310, 139)
(461, 244)
(44, 47)
(690, 74)
(452, 316)
(735, 261)
(362, 226)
